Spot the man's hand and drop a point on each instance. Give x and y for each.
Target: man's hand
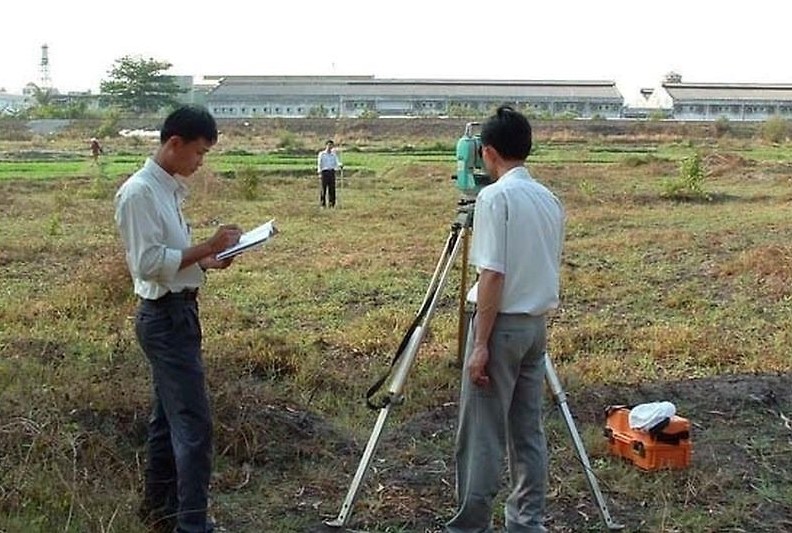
(211, 262)
(225, 236)
(477, 366)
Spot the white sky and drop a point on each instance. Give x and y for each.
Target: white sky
(631, 42)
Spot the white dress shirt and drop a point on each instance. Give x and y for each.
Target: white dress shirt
(518, 231)
(149, 217)
(328, 160)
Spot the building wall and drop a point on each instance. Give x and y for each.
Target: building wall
(732, 110)
(417, 105)
(355, 96)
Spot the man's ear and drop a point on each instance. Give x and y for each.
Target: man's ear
(176, 141)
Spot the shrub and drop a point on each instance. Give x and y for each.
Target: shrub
(567, 115)
(657, 115)
(289, 142)
(249, 181)
(722, 126)
(102, 186)
(775, 130)
(689, 185)
(109, 126)
(319, 111)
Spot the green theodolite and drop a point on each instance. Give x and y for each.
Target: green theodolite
(471, 175)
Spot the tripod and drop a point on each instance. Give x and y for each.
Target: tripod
(458, 238)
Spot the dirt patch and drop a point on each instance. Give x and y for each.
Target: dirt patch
(252, 427)
(724, 163)
(737, 422)
(45, 351)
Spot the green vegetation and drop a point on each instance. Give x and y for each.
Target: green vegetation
(249, 181)
(319, 111)
(722, 126)
(775, 130)
(655, 293)
(690, 183)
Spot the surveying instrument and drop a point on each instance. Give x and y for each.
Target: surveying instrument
(470, 179)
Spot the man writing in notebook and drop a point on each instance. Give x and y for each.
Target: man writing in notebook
(167, 271)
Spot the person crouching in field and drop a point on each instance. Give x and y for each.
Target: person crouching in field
(167, 271)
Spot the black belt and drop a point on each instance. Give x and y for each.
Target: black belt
(188, 295)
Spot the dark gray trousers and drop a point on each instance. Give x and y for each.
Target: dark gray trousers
(328, 192)
(506, 417)
(180, 428)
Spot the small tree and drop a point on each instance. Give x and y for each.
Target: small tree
(139, 85)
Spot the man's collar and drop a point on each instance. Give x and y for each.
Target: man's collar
(171, 183)
(515, 172)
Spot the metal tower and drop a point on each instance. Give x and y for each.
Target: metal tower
(44, 71)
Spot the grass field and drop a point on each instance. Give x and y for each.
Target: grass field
(662, 299)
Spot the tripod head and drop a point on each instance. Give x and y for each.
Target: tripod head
(465, 208)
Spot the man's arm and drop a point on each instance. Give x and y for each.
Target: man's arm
(490, 292)
(142, 234)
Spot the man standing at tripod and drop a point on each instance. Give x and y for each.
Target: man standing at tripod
(327, 163)
(518, 233)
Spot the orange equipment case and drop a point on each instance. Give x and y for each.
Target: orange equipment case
(665, 446)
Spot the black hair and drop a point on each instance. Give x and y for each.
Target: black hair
(509, 132)
(329, 141)
(189, 122)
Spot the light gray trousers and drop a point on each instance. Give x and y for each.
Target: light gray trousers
(506, 415)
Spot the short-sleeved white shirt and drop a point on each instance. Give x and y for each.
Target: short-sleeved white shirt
(518, 230)
(328, 160)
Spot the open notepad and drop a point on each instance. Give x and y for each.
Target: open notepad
(252, 239)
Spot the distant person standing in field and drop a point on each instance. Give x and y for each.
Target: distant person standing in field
(96, 149)
(327, 164)
(167, 271)
(518, 233)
